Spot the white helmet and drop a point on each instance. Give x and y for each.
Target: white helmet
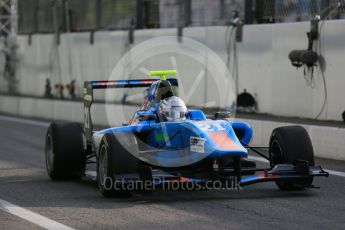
(172, 109)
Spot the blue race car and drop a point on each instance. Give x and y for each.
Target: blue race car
(166, 143)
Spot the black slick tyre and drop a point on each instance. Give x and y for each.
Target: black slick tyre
(290, 144)
(64, 151)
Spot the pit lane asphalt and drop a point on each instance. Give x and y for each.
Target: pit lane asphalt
(79, 205)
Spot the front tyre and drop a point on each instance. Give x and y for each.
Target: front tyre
(287, 145)
(64, 151)
(115, 158)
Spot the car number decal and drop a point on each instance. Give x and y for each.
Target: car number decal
(211, 127)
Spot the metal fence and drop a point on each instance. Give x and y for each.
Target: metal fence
(48, 16)
(297, 10)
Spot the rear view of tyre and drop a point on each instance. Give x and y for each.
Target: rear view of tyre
(115, 158)
(64, 151)
(288, 145)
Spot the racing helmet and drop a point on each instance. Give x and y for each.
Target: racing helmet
(172, 109)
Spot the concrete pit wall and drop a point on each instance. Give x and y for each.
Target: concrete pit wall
(263, 65)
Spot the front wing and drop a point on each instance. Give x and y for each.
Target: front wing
(284, 172)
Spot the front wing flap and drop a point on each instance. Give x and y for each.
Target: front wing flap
(284, 172)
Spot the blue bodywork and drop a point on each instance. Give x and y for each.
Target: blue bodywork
(214, 138)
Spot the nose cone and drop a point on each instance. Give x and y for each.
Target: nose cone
(223, 141)
(222, 138)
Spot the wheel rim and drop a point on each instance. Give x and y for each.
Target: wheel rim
(276, 153)
(49, 153)
(102, 165)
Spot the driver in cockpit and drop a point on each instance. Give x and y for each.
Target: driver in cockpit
(170, 107)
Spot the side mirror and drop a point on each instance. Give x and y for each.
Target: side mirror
(222, 115)
(147, 117)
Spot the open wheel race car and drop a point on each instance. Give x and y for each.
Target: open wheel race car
(165, 142)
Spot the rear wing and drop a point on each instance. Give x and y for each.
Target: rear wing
(89, 86)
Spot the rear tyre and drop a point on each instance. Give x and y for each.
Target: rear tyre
(288, 145)
(64, 151)
(115, 158)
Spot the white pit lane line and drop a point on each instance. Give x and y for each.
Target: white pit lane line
(332, 172)
(31, 216)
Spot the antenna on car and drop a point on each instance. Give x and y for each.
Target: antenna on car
(162, 73)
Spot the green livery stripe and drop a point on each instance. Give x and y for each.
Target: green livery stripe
(159, 137)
